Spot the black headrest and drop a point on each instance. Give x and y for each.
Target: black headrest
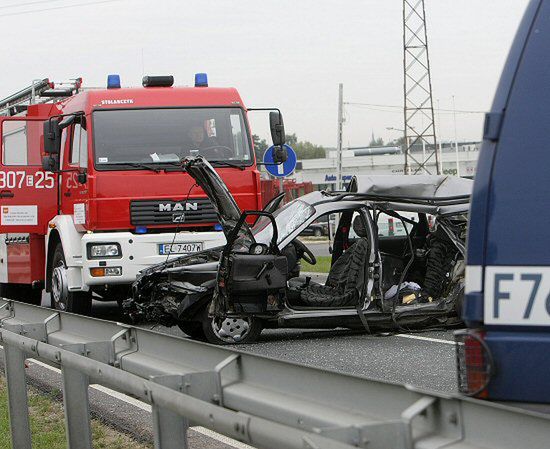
(359, 227)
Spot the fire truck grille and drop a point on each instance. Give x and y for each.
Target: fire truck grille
(165, 212)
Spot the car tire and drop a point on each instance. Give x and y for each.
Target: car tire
(212, 328)
(61, 298)
(317, 232)
(21, 292)
(192, 329)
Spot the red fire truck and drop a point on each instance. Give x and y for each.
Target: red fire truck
(91, 186)
(271, 188)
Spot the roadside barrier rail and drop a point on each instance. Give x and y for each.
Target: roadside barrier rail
(260, 401)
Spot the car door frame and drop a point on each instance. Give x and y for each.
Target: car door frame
(221, 299)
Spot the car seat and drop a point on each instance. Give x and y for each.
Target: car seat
(345, 279)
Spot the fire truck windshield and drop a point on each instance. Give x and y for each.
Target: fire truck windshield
(124, 139)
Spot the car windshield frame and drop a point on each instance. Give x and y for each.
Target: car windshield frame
(247, 160)
(288, 219)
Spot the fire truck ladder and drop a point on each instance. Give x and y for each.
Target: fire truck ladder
(40, 91)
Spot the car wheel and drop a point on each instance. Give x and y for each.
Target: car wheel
(317, 232)
(231, 330)
(192, 329)
(21, 292)
(61, 297)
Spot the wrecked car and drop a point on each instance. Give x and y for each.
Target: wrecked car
(410, 281)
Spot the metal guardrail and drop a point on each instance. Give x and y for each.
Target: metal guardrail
(264, 402)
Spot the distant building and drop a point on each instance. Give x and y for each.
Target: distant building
(382, 161)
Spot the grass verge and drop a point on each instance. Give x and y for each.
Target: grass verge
(48, 425)
(322, 265)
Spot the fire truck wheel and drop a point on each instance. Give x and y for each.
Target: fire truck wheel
(62, 298)
(21, 292)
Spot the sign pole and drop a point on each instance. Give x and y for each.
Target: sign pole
(339, 184)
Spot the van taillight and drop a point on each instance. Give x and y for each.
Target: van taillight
(474, 363)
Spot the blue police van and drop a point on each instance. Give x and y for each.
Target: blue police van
(505, 352)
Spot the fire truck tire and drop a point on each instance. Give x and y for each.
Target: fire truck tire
(20, 292)
(61, 297)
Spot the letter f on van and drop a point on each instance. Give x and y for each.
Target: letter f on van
(498, 295)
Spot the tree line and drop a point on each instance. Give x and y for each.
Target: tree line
(307, 150)
(303, 148)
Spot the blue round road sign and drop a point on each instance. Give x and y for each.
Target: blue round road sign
(280, 170)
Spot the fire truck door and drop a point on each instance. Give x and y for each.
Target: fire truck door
(28, 194)
(74, 157)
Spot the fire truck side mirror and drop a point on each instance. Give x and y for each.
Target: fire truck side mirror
(277, 127)
(67, 121)
(280, 155)
(82, 178)
(52, 137)
(50, 163)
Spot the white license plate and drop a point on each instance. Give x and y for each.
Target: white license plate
(179, 248)
(517, 295)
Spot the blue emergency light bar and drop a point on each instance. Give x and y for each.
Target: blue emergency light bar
(201, 80)
(113, 82)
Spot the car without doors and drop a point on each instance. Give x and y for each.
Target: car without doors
(381, 283)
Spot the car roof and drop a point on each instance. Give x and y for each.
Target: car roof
(424, 187)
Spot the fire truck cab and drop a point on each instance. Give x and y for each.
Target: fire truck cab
(91, 186)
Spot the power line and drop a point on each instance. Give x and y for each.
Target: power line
(18, 5)
(57, 7)
(458, 111)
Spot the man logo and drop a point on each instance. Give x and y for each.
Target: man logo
(169, 207)
(178, 218)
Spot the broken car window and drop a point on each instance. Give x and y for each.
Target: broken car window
(288, 219)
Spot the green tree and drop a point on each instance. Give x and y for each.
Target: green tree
(376, 142)
(291, 139)
(399, 142)
(260, 145)
(305, 149)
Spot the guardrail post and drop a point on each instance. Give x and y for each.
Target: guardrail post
(169, 428)
(17, 398)
(77, 409)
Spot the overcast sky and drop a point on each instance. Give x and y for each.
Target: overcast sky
(286, 53)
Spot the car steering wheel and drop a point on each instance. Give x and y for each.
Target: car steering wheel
(305, 251)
